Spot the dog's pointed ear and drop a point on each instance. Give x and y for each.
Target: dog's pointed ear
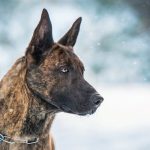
(42, 39)
(69, 39)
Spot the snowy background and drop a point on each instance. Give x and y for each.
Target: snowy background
(113, 44)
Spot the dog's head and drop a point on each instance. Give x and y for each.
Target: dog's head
(55, 73)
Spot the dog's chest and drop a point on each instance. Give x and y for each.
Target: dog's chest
(37, 123)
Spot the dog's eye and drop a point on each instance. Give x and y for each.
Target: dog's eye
(64, 69)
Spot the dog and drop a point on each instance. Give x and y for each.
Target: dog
(48, 79)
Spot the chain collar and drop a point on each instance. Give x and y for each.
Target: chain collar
(9, 140)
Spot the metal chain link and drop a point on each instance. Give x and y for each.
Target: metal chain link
(7, 139)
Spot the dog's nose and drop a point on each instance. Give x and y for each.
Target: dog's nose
(97, 99)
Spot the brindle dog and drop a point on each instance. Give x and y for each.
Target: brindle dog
(47, 80)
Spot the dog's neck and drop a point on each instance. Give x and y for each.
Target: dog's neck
(21, 112)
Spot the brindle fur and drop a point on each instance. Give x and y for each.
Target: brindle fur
(34, 89)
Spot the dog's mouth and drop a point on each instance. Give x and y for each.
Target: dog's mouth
(66, 109)
(63, 108)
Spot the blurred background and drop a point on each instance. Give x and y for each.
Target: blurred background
(113, 44)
